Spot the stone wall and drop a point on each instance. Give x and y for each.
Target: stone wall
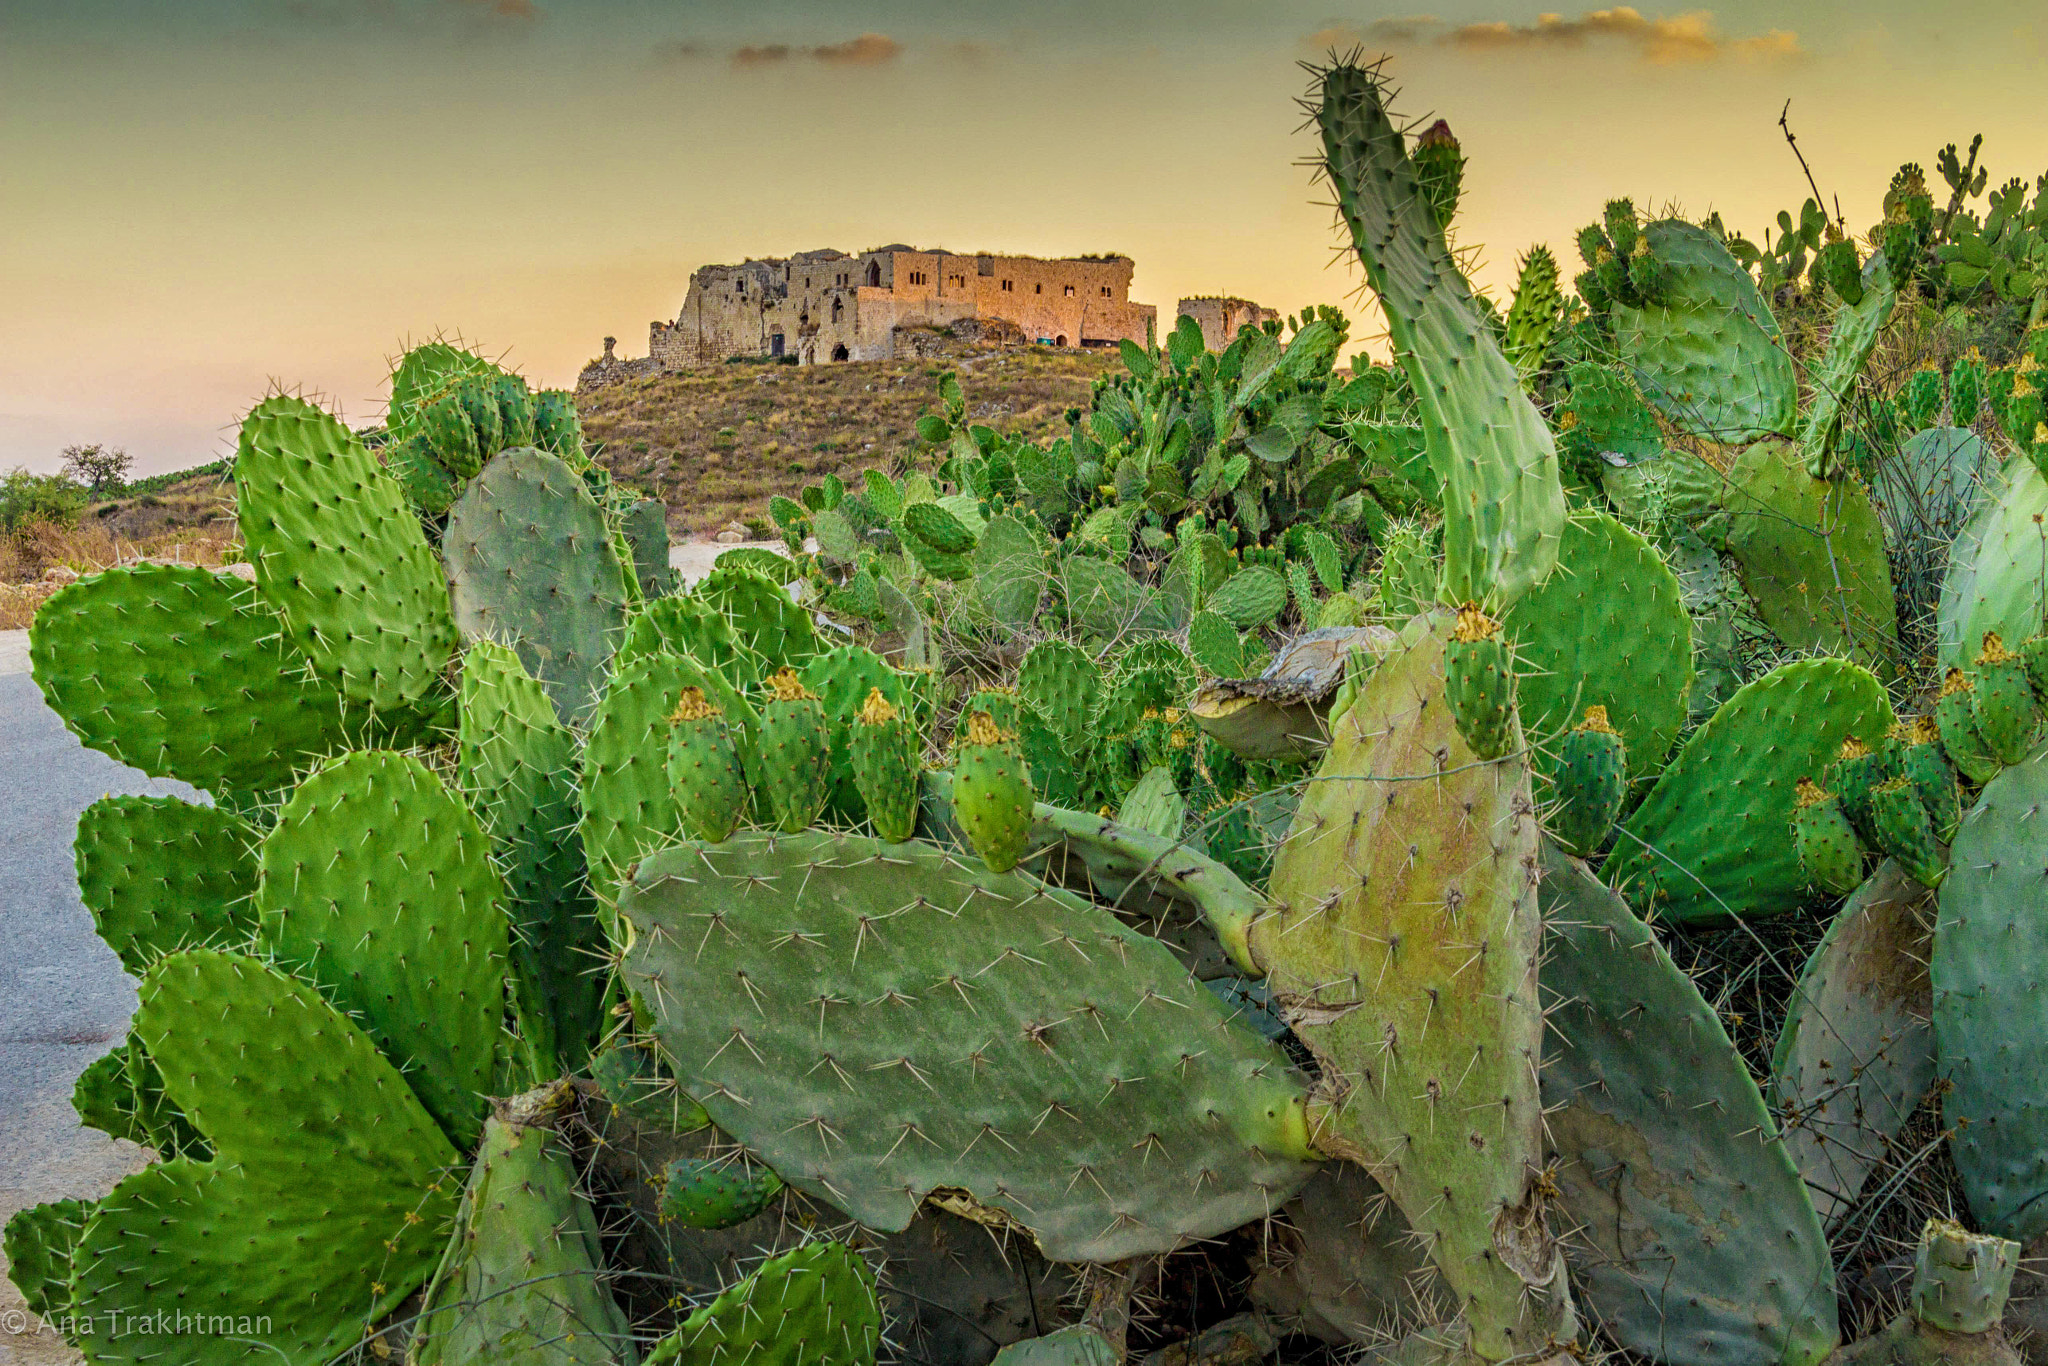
(1220, 317)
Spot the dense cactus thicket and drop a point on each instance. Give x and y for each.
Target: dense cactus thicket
(1526, 851)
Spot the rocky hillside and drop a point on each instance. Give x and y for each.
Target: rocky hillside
(714, 444)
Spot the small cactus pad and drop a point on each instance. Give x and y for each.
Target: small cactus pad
(159, 874)
(795, 754)
(701, 1192)
(814, 1306)
(1714, 837)
(1402, 949)
(688, 626)
(326, 1206)
(704, 769)
(338, 551)
(1905, 832)
(1990, 1015)
(1922, 762)
(1607, 630)
(1700, 1247)
(1503, 505)
(521, 1281)
(1828, 852)
(762, 615)
(2004, 701)
(886, 754)
(1591, 778)
(842, 678)
(992, 792)
(377, 884)
(1479, 683)
(516, 763)
(39, 1245)
(1961, 1279)
(1062, 681)
(645, 526)
(138, 661)
(939, 1014)
(530, 565)
(1856, 1053)
(1078, 1345)
(1955, 720)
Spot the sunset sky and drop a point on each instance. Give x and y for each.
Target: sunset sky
(198, 199)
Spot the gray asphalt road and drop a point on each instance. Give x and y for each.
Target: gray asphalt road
(63, 997)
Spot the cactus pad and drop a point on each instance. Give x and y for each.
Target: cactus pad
(1591, 781)
(1479, 683)
(338, 551)
(159, 874)
(377, 884)
(137, 661)
(39, 1245)
(762, 615)
(795, 769)
(1704, 1250)
(886, 755)
(704, 769)
(2004, 702)
(941, 1014)
(992, 792)
(814, 1306)
(1826, 842)
(700, 1192)
(325, 1207)
(530, 565)
(1714, 837)
(1990, 1016)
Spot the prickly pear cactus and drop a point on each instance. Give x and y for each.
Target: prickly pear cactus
(842, 678)
(688, 626)
(2004, 702)
(1077, 1345)
(521, 1280)
(940, 1037)
(1826, 842)
(137, 661)
(1961, 1279)
(1994, 580)
(796, 757)
(992, 792)
(1701, 1245)
(702, 1192)
(1856, 1053)
(1591, 781)
(376, 884)
(530, 565)
(1990, 1017)
(814, 1306)
(1922, 762)
(1955, 720)
(1714, 837)
(1906, 833)
(325, 1206)
(764, 618)
(1062, 682)
(159, 874)
(1479, 683)
(1503, 504)
(887, 757)
(339, 553)
(39, 1244)
(1609, 629)
(1415, 896)
(704, 768)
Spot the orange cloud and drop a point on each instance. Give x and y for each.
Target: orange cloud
(1681, 39)
(524, 11)
(869, 49)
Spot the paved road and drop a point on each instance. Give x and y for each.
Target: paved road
(64, 999)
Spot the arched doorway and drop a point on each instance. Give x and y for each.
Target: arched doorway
(839, 352)
(1060, 340)
(874, 274)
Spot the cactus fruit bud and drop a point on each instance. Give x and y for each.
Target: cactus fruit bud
(1439, 170)
(1592, 779)
(1479, 683)
(795, 753)
(699, 1192)
(1828, 851)
(884, 748)
(704, 768)
(2004, 701)
(992, 792)
(1905, 832)
(1955, 714)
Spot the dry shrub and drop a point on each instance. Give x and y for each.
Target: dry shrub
(30, 553)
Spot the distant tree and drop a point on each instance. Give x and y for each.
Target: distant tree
(28, 498)
(101, 469)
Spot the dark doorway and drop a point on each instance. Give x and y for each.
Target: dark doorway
(874, 274)
(839, 352)
(775, 343)
(1060, 340)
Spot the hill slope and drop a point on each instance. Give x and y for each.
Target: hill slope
(715, 443)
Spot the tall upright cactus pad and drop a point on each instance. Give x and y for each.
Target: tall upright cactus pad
(338, 551)
(1856, 1053)
(159, 875)
(1705, 349)
(1701, 1246)
(1609, 629)
(762, 615)
(327, 1201)
(886, 752)
(1990, 1015)
(1402, 947)
(795, 771)
(1479, 683)
(645, 526)
(1063, 682)
(1811, 553)
(516, 763)
(992, 792)
(812, 1306)
(1850, 342)
(1503, 504)
(521, 1281)
(1994, 580)
(628, 808)
(690, 626)
(704, 767)
(556, 425)
(530, 565)
(377, 885)
(1534, 314)
(140, 660)
(955, 1028)
(842, 678)
(1714, 837)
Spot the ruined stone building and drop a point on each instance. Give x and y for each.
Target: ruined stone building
(1221, 316)
(822, 306)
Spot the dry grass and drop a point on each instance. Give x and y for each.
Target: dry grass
(715, 443)
(177, 527)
